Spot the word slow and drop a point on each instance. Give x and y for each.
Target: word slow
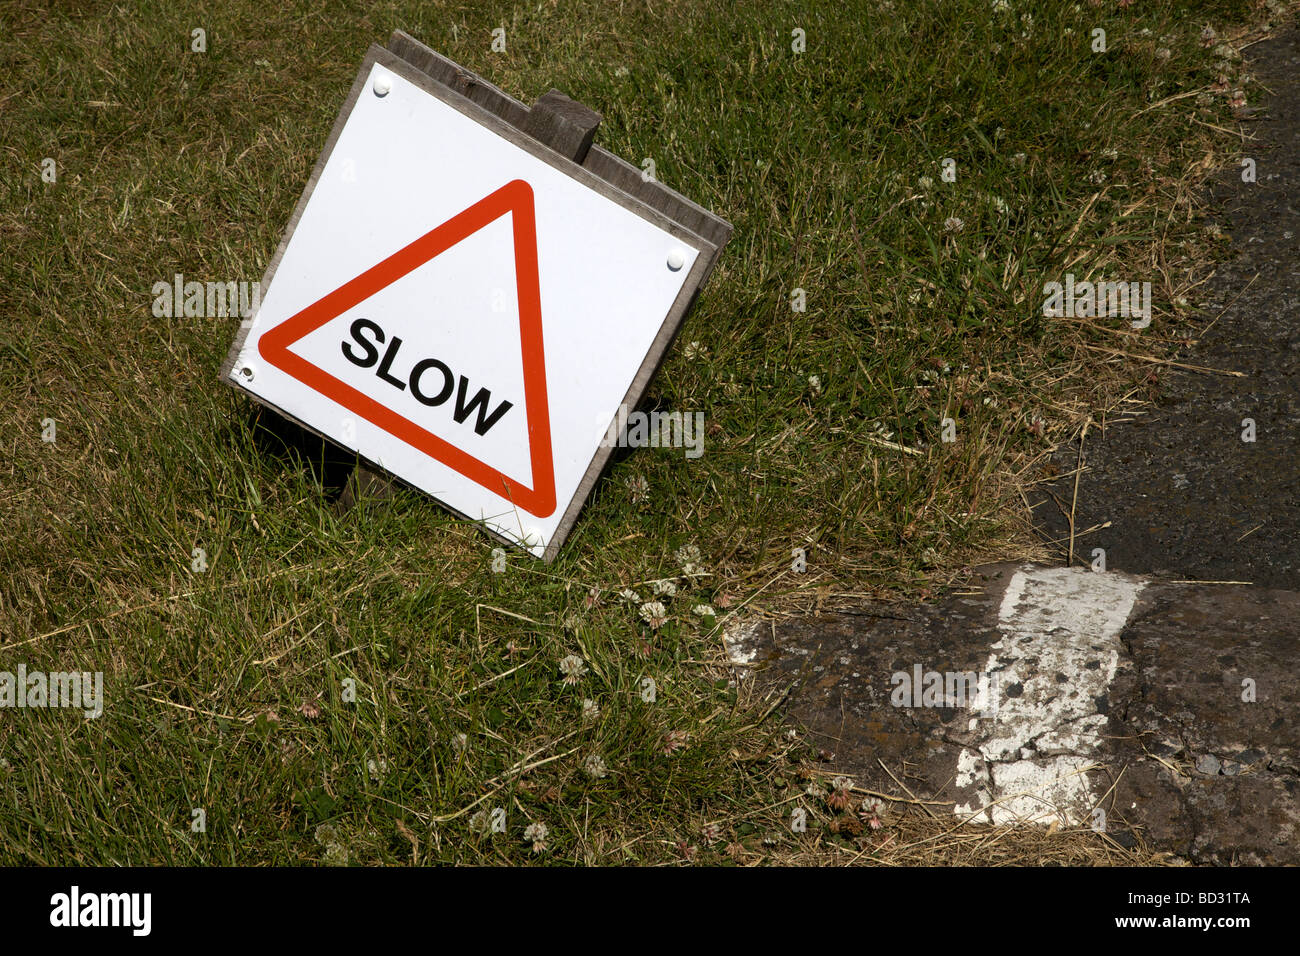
(210, 300)
(430, 380)
(655, 430)
(1130, 300)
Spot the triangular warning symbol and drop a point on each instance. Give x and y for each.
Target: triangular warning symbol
(516, 198)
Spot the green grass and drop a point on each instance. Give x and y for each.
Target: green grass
(225, 688)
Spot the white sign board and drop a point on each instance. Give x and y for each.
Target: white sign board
(462, 307)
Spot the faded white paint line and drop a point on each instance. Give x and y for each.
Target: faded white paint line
(738, 637)
(1057, 655)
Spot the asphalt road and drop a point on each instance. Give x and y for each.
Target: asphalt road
(1184, 493)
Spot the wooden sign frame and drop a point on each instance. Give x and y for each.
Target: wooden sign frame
(558, 131)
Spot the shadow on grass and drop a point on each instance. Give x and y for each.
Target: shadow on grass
(288, 443)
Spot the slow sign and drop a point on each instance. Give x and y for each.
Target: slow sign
(456, 301)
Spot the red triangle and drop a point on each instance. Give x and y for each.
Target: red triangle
(514, 197)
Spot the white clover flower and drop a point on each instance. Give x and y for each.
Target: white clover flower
(814, 790)
(1097, 177)
(1019, 159)
(1163, 54)
(459, 742)
(377, 768)
(480, 823)
(639, 487)
(627, 594)
(336, 854)
(1208, 35)
(695, 350)
(925, 182)
(536, 834)
(704, 610)
(711, 833)
(573, 668)
(1111, 154)
(688, 556)
(999, 205)
(842, 783)
(654, 614)
(953, 225)
(871, 811)
(815, 383)
(621, 71)
(590, 709)
(594, 766)
(666, 586)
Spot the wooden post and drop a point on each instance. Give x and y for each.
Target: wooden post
(563, 124)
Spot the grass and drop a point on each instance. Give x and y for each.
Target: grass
(308, 687)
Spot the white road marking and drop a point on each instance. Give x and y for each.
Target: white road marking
(739, 638)
(1029, 761)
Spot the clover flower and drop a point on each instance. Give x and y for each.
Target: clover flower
(654, 614)
(573, 668)
(536, 834)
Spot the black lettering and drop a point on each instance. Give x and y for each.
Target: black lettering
(447, 380)
(372, 354)
(391, 354)
(480, 401)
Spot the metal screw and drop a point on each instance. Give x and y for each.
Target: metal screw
(676, 259)
(383, 84)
